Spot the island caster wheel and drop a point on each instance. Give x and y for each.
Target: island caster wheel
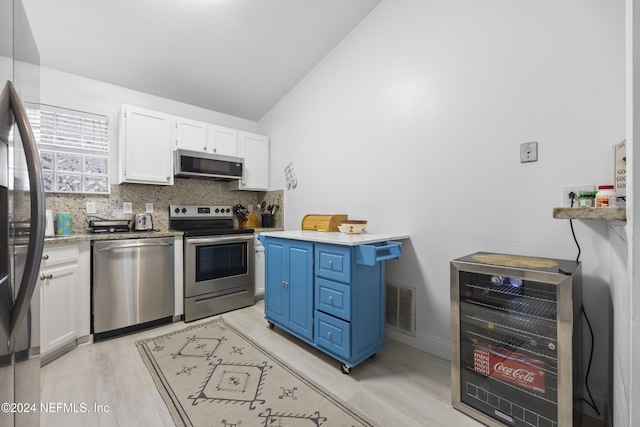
(271, 325)
(346, 369)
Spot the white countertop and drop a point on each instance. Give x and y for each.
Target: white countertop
(336, 238)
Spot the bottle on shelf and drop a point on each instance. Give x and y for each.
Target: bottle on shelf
(605, 197)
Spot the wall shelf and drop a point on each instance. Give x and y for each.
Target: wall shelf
(607, 214)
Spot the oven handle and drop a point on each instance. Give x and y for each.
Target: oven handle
(134, 245)
(235, 238)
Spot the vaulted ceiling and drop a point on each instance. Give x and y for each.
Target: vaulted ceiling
(233, 56)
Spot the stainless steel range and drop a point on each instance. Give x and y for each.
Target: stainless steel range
(218, 260)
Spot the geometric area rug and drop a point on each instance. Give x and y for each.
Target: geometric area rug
(211, 374)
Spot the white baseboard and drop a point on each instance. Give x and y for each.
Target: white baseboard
(430, 344)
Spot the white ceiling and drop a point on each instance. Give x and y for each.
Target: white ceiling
(238, 57)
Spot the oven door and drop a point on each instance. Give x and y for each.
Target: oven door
(218, 263)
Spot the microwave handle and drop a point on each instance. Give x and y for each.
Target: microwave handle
(234, 238)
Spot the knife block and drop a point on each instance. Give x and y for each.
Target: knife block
(252, 221)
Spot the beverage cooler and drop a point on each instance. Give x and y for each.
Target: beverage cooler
(516, 339)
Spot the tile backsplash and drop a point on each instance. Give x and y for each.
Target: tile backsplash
(184, 191)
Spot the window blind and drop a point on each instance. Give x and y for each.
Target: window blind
(74, 149)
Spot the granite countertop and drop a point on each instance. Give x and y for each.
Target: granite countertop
(76, 237)
(336, 238)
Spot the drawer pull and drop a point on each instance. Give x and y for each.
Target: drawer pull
(330, 298)
(45, 257)
(330, 263)
(46, 276)
(329, 334)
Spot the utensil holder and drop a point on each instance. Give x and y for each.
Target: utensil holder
(267, 220)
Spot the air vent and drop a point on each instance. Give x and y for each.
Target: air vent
(400, 309)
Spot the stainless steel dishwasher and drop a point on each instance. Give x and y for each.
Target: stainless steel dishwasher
(132, 284)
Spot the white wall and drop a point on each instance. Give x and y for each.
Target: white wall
(414, 122)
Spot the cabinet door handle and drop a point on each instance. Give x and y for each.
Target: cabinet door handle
(45, 257)
(46, 276)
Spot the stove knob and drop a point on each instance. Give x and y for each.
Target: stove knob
(184, 210)
(228, 210)
(112, 229)
(177, 210)
(217, 210)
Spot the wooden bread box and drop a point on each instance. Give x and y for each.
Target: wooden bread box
(323, 222)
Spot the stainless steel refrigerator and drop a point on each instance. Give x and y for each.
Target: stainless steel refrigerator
(22, 220)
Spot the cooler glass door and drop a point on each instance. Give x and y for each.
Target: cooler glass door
(508, 348)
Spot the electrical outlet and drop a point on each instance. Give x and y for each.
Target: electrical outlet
(127, 207)
(566, 201)
(91, 207)
(149, 208)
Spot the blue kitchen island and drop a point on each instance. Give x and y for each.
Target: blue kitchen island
(328, 289)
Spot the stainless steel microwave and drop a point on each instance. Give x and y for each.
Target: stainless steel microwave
(194, 164)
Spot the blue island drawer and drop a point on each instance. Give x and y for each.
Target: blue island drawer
(333, 298)
(333, 334)
(333, 262)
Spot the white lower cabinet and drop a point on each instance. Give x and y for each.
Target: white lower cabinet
(64, 294)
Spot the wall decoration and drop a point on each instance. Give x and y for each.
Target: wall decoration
(290, 176)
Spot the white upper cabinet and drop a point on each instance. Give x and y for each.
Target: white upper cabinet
(254, 149)
(204, 137)
(149, 138)
(221, 140)
(189, 134)
(145, 147)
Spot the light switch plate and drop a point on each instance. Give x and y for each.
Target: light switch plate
(127, 207)
(528, 152)
(149, 207)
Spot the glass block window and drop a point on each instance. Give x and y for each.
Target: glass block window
(74, 149)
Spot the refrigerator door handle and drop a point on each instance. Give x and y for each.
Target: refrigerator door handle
(9, 100)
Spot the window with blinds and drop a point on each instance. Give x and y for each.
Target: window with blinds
(74, 149)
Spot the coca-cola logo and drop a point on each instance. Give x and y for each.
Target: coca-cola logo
(519, 374)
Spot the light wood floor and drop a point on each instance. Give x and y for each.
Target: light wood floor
(400, 386)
